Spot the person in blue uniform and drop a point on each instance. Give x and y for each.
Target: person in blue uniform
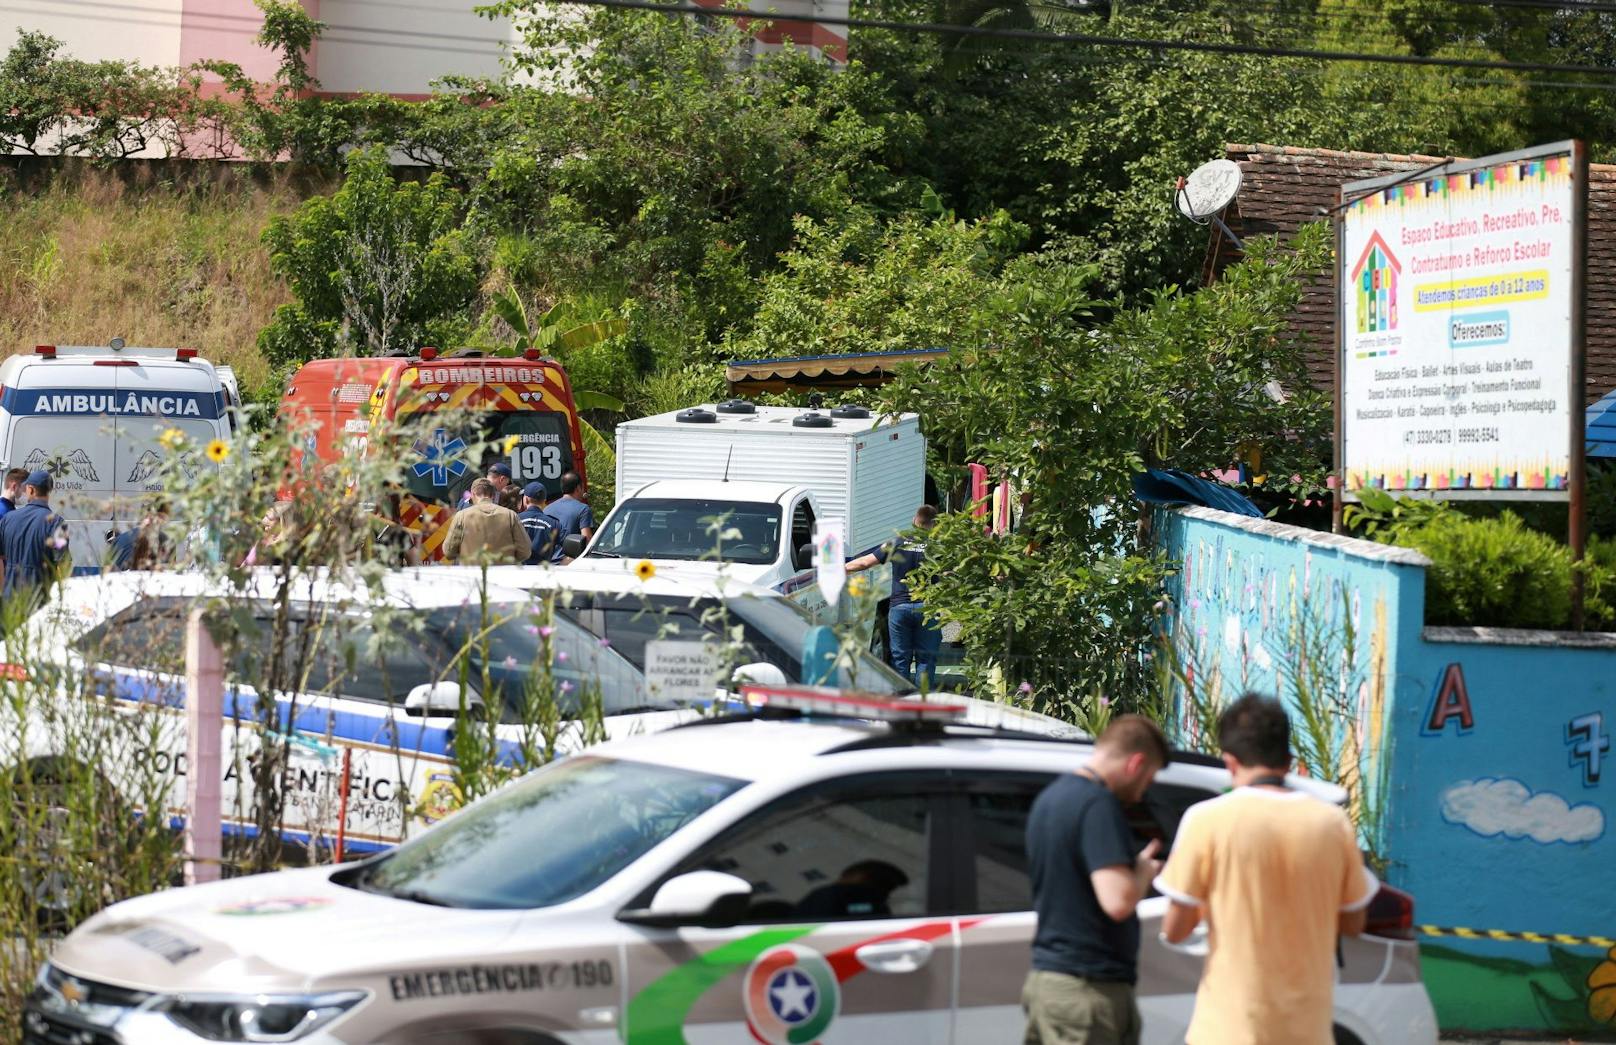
(33, 540)
(543, 530)
(914, 643)
(572, 512)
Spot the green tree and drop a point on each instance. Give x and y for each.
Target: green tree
(1069, 406)
(863, 285)
(375, 267)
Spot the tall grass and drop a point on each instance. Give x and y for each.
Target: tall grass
(158, 254)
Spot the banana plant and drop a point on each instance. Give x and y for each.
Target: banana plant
(546, 333)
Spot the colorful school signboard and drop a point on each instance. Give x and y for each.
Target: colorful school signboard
(1459, 294)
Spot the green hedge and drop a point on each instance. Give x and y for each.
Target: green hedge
(1499, 573)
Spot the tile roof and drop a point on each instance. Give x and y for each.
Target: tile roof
(1284, 187)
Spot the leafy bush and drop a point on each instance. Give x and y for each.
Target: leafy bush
(1492, 572)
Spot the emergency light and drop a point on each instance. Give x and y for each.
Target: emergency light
(813, 700)
(429, 354)
(48, 351)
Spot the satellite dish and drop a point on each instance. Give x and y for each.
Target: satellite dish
(1209, 188)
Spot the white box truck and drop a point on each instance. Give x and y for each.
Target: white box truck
(770, 473)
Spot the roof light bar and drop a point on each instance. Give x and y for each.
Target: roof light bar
(429, 354)
(48, 351)
(811, 700)
(185, 355)
(532, 354)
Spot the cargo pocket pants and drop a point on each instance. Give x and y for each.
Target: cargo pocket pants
(1069, 1010)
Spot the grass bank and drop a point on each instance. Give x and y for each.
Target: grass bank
(155, 253)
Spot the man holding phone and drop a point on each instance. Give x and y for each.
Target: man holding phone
(1087, 879)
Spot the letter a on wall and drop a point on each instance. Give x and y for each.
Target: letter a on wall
(1449, 700)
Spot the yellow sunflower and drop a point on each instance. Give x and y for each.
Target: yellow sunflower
(645, 570)
(218, 450)
(171, 439)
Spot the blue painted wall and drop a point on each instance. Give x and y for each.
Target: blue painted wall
(1481, 763)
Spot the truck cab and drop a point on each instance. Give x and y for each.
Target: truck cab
(760, 533)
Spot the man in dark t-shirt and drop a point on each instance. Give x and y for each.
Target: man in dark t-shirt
(912, 641)
(1087, 879)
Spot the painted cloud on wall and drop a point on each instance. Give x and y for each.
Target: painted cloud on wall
(1492, 806)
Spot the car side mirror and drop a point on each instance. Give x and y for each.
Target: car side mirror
(572, 545)
(438, 699)
(805, 557)
(711, 899)
(761, 673)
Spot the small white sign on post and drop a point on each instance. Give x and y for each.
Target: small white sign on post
(681, 671)
(830, 559)
(204, 716)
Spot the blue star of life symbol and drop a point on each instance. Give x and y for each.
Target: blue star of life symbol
(792, 996)
(440, 457)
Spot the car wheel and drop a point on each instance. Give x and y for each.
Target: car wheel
(1345, 1037)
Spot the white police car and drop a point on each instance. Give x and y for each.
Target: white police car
(379, 703)
(760, 878)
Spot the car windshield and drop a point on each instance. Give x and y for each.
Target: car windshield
(442, 467)
(552, 836)
(678, 528)
(772, 631)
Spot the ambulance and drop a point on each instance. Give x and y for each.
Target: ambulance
(516, 409)
(92, 415)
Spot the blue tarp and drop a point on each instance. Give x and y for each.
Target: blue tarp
(1600, 437)
(1171, 486)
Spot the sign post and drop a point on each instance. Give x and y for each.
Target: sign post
(204, 719)
(1460, 299)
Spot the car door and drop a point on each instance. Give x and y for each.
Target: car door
(998, 921)
(844, 939)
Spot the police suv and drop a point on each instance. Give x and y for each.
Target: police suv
(91, 416)
(820, 869)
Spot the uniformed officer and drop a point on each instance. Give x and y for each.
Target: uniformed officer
(33, 539)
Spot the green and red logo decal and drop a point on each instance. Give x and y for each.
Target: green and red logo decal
(791, 996)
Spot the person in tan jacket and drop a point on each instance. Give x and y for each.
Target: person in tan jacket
(486, 532)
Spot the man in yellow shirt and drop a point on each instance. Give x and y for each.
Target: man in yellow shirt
(1277, 875)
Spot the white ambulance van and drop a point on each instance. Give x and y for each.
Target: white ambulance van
(91, 417)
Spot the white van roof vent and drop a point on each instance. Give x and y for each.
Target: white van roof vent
(850, 411)
(812, 419)
(697, 416)
(737, 406)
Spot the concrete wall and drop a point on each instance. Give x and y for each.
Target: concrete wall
(1478, 755)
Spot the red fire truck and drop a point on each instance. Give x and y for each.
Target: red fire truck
(518, 409)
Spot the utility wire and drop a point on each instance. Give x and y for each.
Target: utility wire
(1092, 40)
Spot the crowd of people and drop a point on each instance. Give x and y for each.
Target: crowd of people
(495, 523)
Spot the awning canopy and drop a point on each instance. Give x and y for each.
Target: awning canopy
(1600, 435)
(853, 370)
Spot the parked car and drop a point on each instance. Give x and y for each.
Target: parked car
(383, 701)
(854, 874)
(705, 605)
